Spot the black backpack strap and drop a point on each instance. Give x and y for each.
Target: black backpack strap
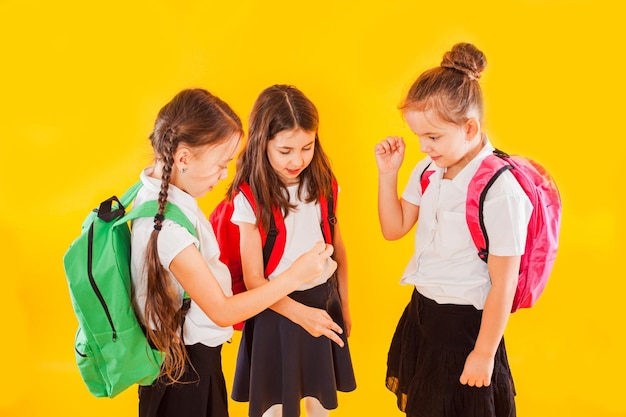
(332, 219)
(184, 308)
(270, 240)
(328, 217)
(483, 253)
(425, 169)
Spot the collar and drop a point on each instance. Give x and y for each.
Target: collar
(463, 178)
(174, 194)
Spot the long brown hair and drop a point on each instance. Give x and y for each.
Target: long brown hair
(279, 108)
(196, 118)
(451, 90)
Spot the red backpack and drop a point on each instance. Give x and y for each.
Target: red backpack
(543, 227)
(273, 240)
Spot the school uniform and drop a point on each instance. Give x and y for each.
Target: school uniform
(439, 327)
(278, 361)
(204, 391)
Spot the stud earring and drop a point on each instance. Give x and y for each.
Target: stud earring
(183, 170)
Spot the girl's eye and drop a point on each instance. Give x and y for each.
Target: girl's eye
(285, 152)
(433, 137)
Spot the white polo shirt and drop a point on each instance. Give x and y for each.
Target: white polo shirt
(445, 266)
(173, 238)
(303, 232)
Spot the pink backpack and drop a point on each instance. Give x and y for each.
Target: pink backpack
(543, 227)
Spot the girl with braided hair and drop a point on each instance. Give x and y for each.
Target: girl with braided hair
(447, 357)
(195, 136)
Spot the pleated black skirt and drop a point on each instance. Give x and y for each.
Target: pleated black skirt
(280, 363)
(426, 359)
(201, 392)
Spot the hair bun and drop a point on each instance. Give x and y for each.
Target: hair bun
(465, 58)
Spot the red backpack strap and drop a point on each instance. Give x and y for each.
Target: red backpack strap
(274, 239)
(227, 235)
(488, 172)
(425, 177)
(329, 208)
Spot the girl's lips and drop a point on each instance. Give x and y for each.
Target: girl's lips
(293, 171)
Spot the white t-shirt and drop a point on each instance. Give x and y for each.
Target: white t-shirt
(173, 238)
(445, 266)
(303, 232)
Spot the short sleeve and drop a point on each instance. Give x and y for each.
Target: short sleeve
(242, 210)
(413, 190)
(173, 238)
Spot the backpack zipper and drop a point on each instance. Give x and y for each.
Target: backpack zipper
(94, 286)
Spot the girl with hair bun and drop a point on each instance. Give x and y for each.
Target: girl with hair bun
(447, 356)
(195, 136)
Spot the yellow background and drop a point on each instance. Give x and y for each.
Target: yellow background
(80, 86)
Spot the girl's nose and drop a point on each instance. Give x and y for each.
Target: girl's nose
(424, 146)
(298, 160)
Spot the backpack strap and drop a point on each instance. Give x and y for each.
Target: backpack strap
(131, 193)
(329, 208)
(149, 209)
(172, 212)
(488, 172)
(425, 177)
(114, 208)
(276, 235)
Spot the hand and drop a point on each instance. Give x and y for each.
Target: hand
(389, 154)
(478, 370)
(310, 265)
(318, 323)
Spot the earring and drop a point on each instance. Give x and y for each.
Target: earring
(183, 170)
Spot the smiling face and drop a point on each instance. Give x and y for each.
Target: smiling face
(204, 167)
(290, 152)
(450, 146)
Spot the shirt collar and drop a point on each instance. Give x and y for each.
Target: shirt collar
(174, 194)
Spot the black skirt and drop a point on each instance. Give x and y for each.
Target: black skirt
(201, 392)
(426, 359)
(280, 363)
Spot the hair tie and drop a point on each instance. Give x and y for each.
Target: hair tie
(471, 74)
(158, 219)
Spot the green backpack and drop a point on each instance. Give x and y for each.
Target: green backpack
(111, 348)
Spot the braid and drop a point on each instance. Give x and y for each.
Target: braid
(170, 143)
(195, 118)
(162, 307)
